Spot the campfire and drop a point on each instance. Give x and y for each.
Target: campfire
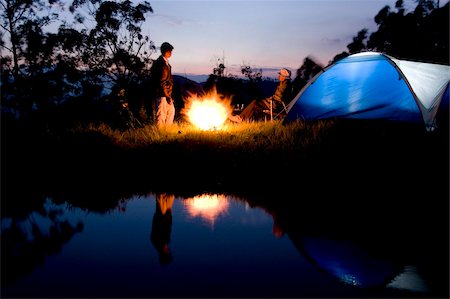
(207, 112)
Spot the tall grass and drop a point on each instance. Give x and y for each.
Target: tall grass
(251, 143)
(247, 136)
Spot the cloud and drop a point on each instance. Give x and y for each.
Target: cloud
(332, 41)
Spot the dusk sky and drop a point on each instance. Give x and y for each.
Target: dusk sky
(263, 34)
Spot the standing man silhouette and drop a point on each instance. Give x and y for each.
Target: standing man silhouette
(162, 81)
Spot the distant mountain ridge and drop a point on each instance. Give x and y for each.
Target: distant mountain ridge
(193, 77)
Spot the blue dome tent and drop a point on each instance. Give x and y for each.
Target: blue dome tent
(372, 85)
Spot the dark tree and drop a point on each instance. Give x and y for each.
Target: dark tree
(358, 43)
(422, 34)
(71, 66)
(305, 73)
(254, 79)
(28, 71)
(419, 35)
(15, 16)
(115, 45)
(340, 56)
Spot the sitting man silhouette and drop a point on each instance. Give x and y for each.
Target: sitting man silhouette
(275, 104)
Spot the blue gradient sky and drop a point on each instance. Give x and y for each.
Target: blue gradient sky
(260, 33)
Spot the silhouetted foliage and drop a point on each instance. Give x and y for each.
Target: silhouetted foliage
(63, 76)
(26, 242)
(339, 56)
(305, 73)
(254, 79)
(358, 42)
(421, 35)
(15, 19)
(27, 73)
(219, 70)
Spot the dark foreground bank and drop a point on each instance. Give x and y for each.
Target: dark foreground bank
(383, 186)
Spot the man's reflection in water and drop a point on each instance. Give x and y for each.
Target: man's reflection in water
(162, 227)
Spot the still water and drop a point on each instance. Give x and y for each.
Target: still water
(208, 245)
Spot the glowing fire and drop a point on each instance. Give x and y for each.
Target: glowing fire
(207, 112)
(207, 206)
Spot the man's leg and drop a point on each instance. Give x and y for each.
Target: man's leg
(247, 113)
(170, 114)
(161, 111)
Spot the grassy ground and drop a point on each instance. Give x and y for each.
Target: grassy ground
(255, 148)
(239, 159)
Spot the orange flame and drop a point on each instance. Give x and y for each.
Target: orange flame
(206, 206)
(207, 112)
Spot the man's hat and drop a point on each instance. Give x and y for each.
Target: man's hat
(285, 73)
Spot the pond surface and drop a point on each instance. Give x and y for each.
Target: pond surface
(207, 245)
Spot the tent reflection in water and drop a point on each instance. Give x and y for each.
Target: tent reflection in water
(371, 85)
(352, 265)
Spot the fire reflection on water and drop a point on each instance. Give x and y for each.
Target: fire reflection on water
(207, 206)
